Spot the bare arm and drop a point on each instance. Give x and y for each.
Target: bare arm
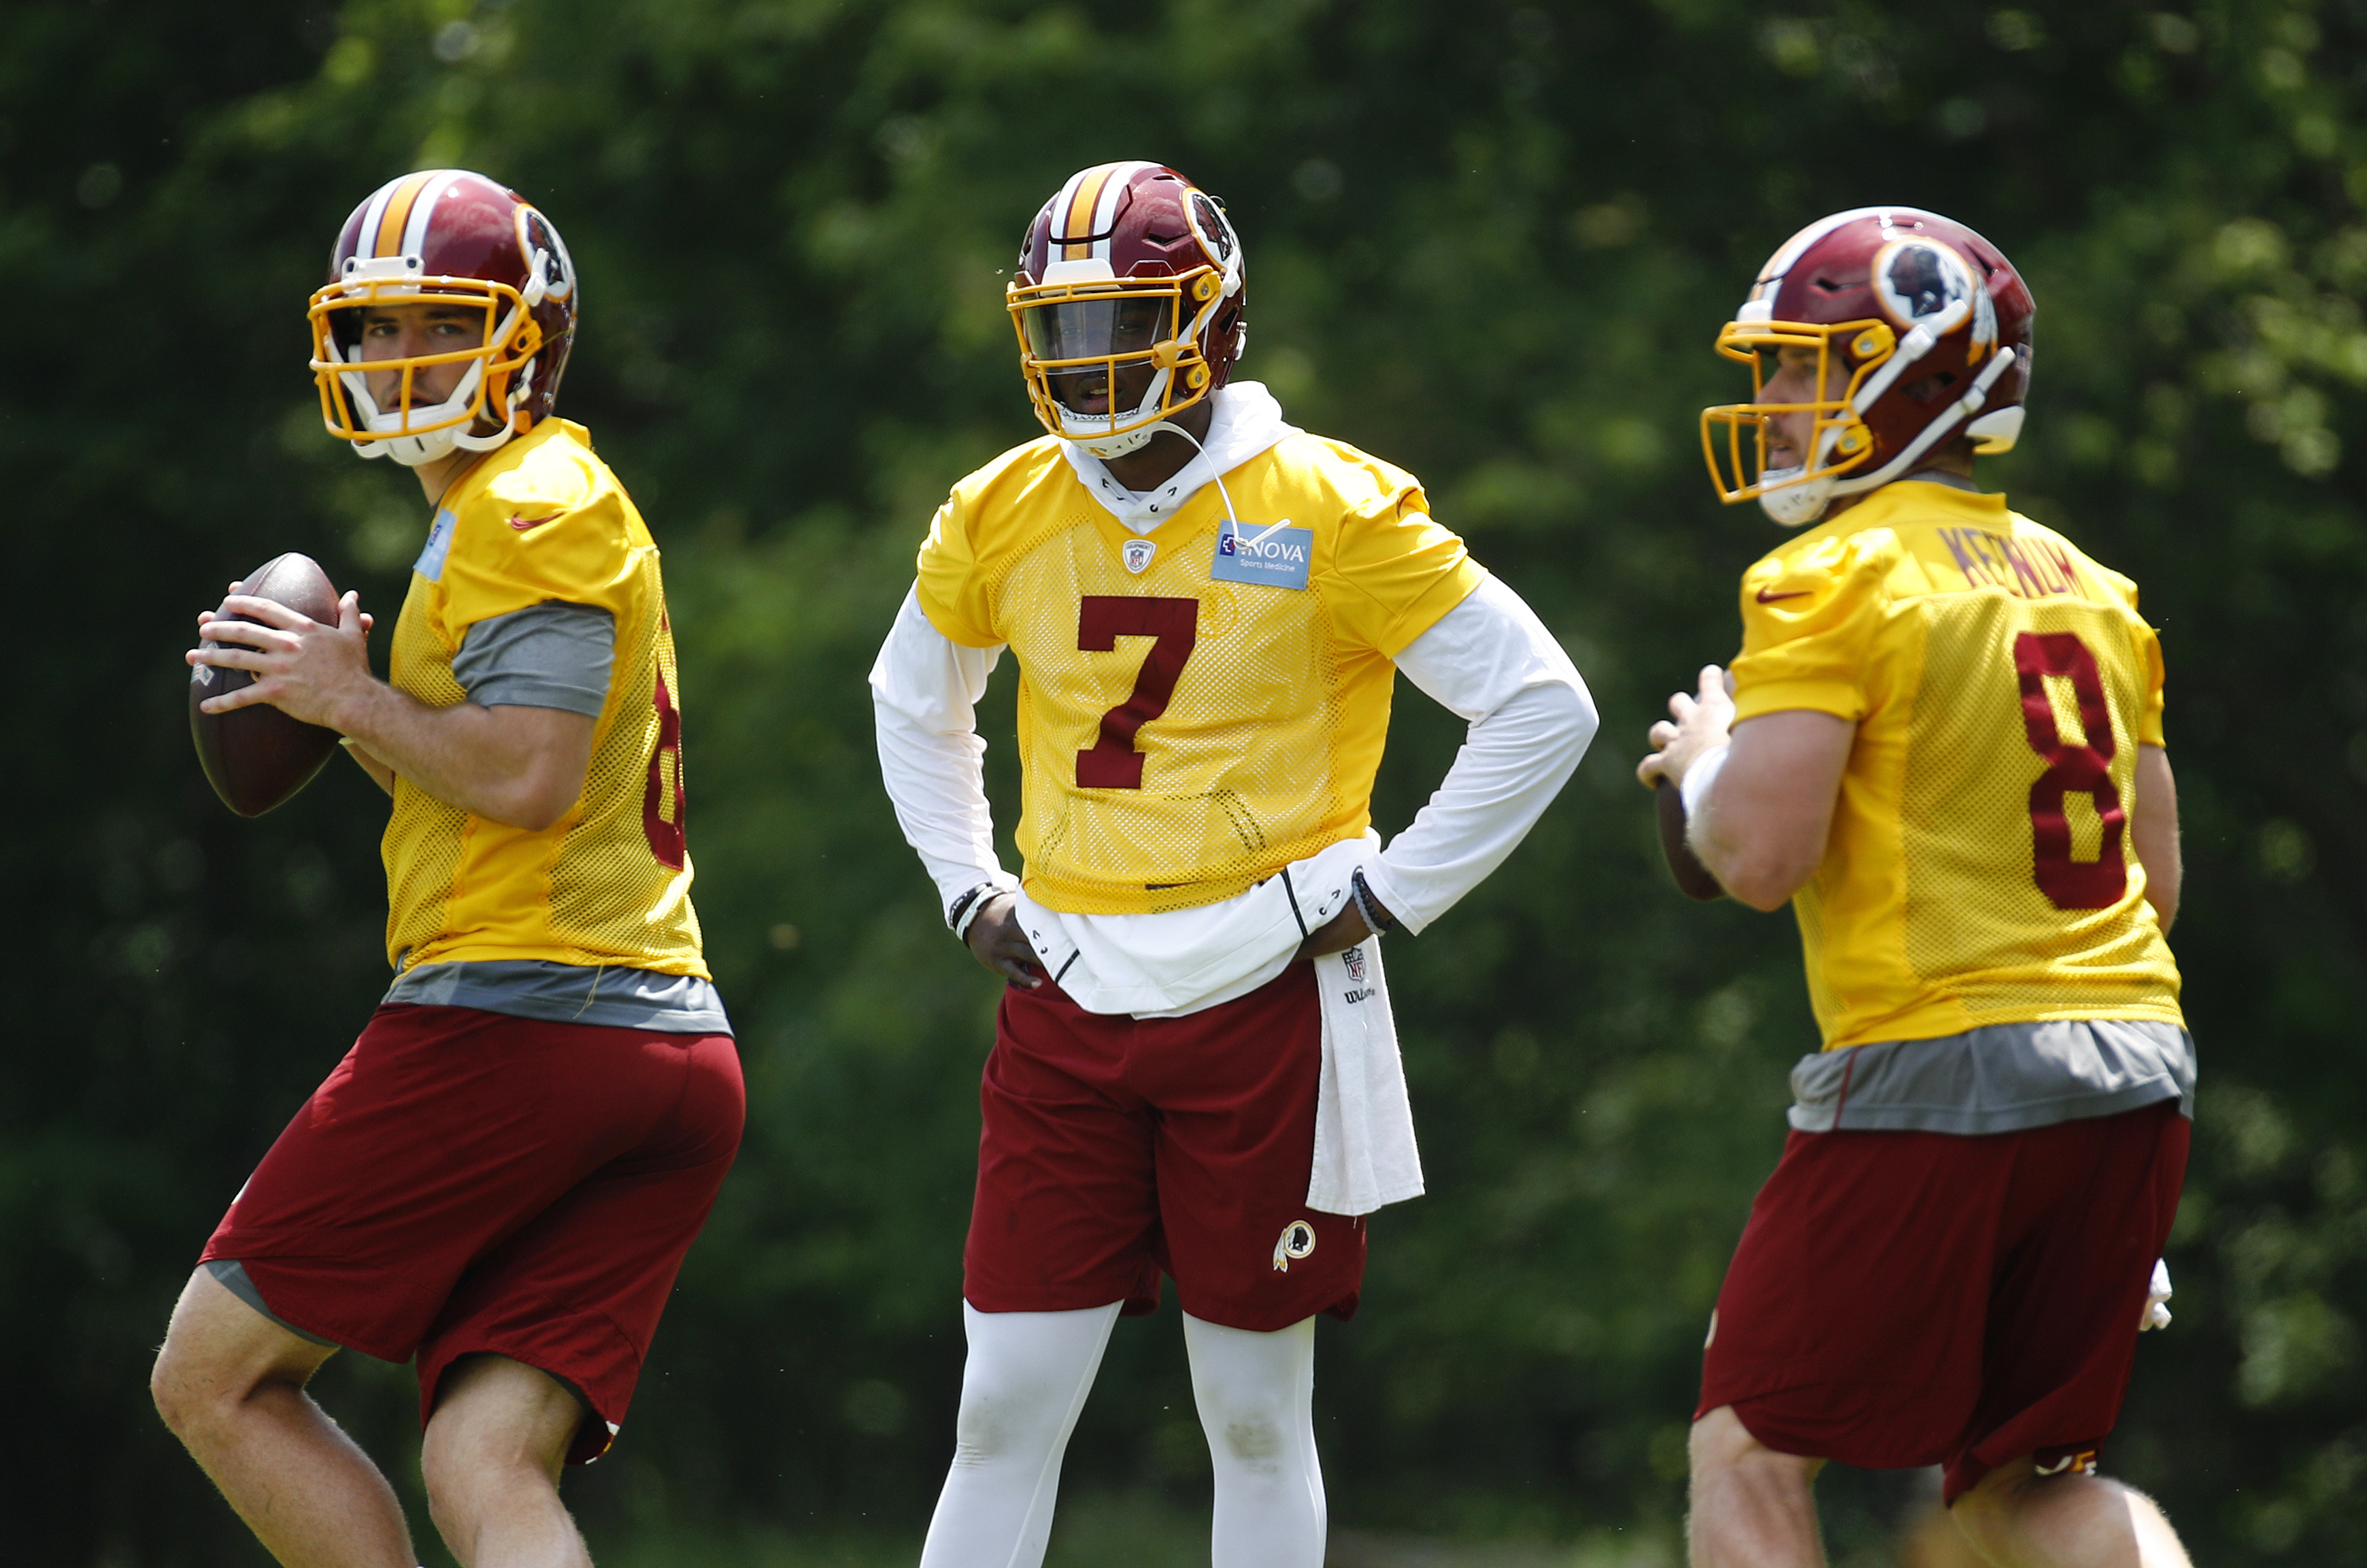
(2154, 832)
(1761, 832)
(520, 766)
(1763, 827)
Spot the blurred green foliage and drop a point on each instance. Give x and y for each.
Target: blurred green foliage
(1488, 240)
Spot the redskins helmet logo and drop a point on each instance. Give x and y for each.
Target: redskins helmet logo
(1923, 282)
(1211, 227)
(1298, 1241)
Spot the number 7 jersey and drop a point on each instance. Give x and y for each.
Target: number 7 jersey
(1981, 868)
(1203, 704)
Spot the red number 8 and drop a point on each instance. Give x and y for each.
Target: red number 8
(666, 833)
(2070, 769)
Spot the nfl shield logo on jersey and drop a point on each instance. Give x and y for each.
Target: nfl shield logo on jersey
(1137, 554)
(1298, 1241)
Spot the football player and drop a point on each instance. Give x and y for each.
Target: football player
(1941, 742)
(502, 1176)
(1194, 1072)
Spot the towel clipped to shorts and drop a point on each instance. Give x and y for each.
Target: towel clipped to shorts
(1178, 962)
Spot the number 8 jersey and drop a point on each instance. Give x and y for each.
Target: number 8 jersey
(543, 521)
(1981, 868)
(1203, 704)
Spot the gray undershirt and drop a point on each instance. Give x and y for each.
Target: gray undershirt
(555, 654)
(550, 655)
(2001, 1077)
(615, 998)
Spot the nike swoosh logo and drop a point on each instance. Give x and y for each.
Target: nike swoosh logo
(1764, 597)
(522, 525)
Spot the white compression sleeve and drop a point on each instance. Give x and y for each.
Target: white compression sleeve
(924, 692)
(1256, 1394)
(1022, 1388)
(1491, 662)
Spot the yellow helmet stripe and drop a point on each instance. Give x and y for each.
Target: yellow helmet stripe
(1082, 197)
(1086, 209)
(1120, 176)
(397, 215)
(423, 211)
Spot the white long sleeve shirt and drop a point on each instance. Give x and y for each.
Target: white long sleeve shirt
(1489, 660)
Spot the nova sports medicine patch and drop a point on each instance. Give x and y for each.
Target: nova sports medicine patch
(1273, 557)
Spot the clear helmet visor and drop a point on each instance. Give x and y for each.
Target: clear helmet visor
(1081, 342)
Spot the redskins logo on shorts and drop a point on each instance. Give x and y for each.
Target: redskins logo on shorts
(2078, 1461)
(1298, 1241)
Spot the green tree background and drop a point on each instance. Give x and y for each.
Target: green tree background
(1489, 241)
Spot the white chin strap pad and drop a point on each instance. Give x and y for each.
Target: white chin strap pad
(1793, 503)
(411, 451)
(1109, 446)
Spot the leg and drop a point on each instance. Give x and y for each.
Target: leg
(492, 1460)
(1026, 1381)
(1753, 1508)
(2018, 1519)
(1256, 1394)
(230, 1383)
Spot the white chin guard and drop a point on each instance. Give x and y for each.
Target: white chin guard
(1109, 446)
(1794, 502)
(411, 451)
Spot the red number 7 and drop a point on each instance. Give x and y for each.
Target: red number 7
(1102, 619)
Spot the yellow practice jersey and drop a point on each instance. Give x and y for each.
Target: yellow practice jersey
(542, 519)
(1202, 705)
(1980, 869)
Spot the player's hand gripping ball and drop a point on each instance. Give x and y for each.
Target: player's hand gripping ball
(256, 756)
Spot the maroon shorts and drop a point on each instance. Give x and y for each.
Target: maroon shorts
(469, 1182)
(1904, 1298)
(1116, 1147)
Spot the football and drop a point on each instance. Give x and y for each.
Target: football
(1693, 878)
(257, 757)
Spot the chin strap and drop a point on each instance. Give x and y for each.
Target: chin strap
(1795, 502)
(1970, 405)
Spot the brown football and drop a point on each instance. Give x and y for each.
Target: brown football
(1693, 877)
(257, 757)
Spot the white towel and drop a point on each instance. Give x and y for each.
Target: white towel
(1168, 966)
(1364, 1152)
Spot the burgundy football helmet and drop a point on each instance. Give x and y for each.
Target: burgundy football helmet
(449, 237)
(1131, 265)
(1932, 326)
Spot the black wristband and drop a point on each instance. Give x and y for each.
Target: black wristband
(1379, 919)
(962, 906)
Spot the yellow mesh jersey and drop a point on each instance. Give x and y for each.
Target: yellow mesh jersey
(542, 519)
(1182, 737)
(1981, 868)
